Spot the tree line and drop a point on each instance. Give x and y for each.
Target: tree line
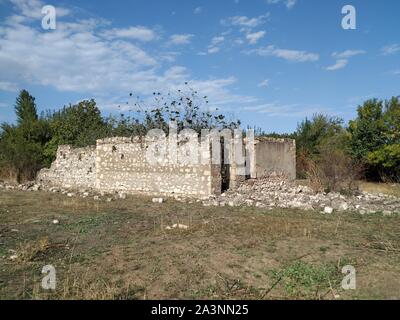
(328, 150)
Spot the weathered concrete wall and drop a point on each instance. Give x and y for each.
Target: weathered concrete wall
(73, 168)
(274, 157)
(121, 165)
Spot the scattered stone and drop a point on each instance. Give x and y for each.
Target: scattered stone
(328, 210)
(343, 206)
(387, 213)
(157, 200)
(55, 221)
(109, 199)
(97, 198)
(14, 257)
(70, 195)
(177, 225)
(272, 192)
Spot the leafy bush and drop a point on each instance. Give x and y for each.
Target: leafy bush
(386, 160)
(375, 138)
(310, 135)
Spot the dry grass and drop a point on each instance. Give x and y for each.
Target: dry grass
(385, 188)
(122, 250)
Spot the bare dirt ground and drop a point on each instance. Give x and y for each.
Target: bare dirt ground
(123, 250)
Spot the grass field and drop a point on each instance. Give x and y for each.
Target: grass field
(122, 250)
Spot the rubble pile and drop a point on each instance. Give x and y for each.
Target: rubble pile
(277, 192)
(268, 193)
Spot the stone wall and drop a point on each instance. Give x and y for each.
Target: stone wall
(73, 168)
(274, 157)
(121, 165)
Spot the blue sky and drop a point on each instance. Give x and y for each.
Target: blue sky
(268, 62)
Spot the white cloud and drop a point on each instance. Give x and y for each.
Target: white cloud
(217, 40)
(179, 39)
(169, 56)
(340, 64)
(390, 49)
(290, 55)
(277, 109)
(176, 73)
(238, 41)
(212, 50)
(72, 61)
(8, 86)
(244, 21)
(198, 10)
(264, 83)
(137, 33)
(255, 36)
(77, 57)
(288, 3)
(32, 9)
(214, 45)
(342, 59)
(347, 54)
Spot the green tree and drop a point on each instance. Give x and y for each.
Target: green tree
(25, 108)
(375, 138)
(21, 145)
(368, 130)
(78, 125)
(311, 133)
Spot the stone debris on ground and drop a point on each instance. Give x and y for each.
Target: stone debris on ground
(177, 225)
(267, 193)
(328, 210)
(272, 193)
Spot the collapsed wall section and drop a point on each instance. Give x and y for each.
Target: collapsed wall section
(73, 168)
(122, 165)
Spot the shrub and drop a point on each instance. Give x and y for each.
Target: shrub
(334, 169)
(386, 161)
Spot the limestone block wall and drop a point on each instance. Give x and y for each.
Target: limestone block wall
(274, 157)
(73, 168)
(121, 165)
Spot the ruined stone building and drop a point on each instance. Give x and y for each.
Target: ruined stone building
(120, 164)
